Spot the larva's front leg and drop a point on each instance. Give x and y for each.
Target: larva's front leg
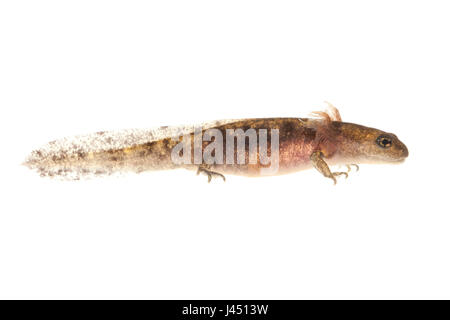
(320, 164)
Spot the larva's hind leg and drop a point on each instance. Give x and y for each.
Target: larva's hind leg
(204, 168)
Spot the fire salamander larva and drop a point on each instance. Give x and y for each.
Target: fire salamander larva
(247, 147)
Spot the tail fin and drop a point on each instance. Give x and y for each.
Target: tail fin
(101, 153)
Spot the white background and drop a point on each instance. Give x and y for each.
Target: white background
(74, 67)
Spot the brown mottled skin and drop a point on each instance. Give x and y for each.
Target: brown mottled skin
(296, 142)
(303, 143)
(338, 142)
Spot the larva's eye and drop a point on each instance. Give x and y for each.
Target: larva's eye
(384, 141)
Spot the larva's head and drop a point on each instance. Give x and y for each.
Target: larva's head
(368, 145)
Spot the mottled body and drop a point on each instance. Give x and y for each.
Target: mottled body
(297, 139)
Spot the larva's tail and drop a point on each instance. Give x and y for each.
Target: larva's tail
(67, 165)
(101, 154)
(105, 153)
